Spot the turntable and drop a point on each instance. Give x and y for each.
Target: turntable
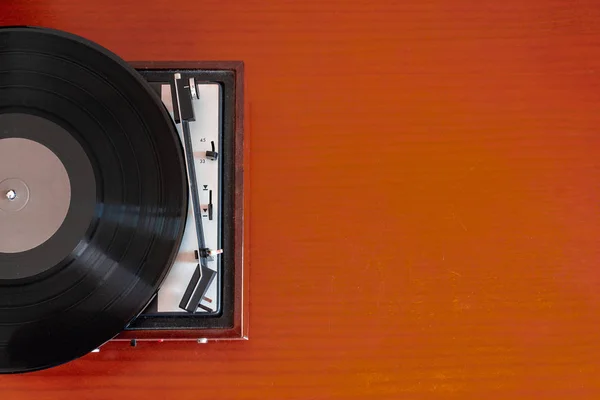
(121, 200)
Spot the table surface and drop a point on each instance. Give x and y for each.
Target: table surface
(422, 199)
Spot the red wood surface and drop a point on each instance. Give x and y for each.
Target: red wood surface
(423, 199)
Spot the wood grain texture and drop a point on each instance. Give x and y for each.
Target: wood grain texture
(422, 199)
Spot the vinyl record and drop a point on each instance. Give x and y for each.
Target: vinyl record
(93, 196)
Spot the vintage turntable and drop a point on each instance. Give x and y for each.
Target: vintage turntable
(121, 199)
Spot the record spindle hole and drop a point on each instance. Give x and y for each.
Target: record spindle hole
(11, 195)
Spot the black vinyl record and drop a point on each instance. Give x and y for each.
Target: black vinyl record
(93, 196)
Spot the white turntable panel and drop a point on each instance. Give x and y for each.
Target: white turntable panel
(205, 138)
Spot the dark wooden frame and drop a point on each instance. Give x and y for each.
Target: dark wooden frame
(239, 329)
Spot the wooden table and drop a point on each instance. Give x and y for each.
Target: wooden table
(423, 199)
